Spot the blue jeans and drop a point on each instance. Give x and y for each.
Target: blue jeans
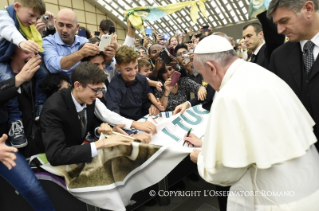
(22, 178)
(40, 97)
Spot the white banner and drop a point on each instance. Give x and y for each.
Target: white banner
(113, 176)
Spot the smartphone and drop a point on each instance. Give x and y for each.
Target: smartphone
(105, 41)
(164, 54)
(97, 33)
(205, 28)
(141, 41)
(148, 32)
(185, 31)
(111, 29)
(175, 77)
(82, 33)
(198, 35)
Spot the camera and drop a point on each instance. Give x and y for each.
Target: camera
(186, 58)
(45, 18)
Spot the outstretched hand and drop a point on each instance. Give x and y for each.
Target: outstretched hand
(7, 156)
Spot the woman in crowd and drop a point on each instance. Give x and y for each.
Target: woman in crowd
(172, 42)
(172, 96)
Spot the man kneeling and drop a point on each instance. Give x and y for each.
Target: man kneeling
(68, 115)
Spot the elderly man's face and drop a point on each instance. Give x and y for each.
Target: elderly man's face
(209, 74)
(293, 25)
(66, 27)
(20, 58)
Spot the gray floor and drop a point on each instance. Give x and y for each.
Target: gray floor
(198, 198)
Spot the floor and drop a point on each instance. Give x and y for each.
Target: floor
(197, 196)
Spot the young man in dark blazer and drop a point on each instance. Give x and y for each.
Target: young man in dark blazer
(254, 35)
(68, 115)
(299, 21)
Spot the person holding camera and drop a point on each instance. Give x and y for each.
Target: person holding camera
(184, 58)
(45, 25)
(176, 87)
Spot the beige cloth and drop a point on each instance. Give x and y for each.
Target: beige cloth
(257, 122)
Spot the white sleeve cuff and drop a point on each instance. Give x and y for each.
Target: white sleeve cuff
(189, 103)
(93, 150)
(97, 135)
(129, 41)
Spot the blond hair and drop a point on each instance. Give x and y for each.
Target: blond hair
(125, 55)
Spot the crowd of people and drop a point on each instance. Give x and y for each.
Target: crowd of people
(55, 78)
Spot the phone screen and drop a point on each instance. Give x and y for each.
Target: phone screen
(164, 56)
(148, 32)
(97, 33)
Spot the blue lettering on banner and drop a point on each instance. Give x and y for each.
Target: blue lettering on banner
(178, 121)
(198, 118)
(170, 134)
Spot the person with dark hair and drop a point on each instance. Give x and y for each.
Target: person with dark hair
(54, 82)
(296, 62)
(172, 43)
(172, 96)
(68, 115)
(180, 51)
(104, 27)
(254, 35)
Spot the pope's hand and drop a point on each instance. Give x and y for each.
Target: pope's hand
(194, 155)
(193, 139)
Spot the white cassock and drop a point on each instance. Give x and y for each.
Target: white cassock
(260, 138)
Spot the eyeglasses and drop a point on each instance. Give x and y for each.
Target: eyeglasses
(96, 91)
(181, 53)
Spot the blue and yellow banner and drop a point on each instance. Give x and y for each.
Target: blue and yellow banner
(137, 15)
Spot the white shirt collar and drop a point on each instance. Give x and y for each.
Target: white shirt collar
(257, 49)
(78, 106)
(315, 40)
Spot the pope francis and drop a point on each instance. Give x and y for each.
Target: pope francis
(259, 138)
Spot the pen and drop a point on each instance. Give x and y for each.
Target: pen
(189, 131)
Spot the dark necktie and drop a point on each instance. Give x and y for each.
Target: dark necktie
(308, 55)
(253, 58)
(83, 121)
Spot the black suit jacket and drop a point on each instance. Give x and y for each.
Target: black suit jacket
(272, 40)
(60, 133)
(287, 63)
(207, 103)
